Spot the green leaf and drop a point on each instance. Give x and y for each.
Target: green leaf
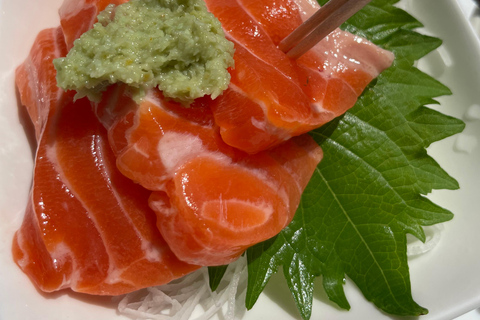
(368, 191)
(215, 275)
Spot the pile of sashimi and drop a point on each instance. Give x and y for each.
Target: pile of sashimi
(173, 135)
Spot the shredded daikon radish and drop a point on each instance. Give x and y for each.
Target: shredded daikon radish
(190, 297)
(415, 247)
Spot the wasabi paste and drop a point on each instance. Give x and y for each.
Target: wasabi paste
(176, 45)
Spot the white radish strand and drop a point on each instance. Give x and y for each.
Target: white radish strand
(179, 299)
(415, 247)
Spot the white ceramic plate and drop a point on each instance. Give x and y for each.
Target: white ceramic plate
(445, 280)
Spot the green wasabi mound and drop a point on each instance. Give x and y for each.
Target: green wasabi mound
(176, 45)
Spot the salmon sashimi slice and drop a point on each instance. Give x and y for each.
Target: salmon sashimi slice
(339, 56)
(330, 77)
(41, 99)
(86, 226)
(212, 200)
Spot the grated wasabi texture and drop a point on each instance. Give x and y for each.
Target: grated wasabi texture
(176, 45)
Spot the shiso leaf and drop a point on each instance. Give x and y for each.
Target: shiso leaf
(368, 191)
(215, 275)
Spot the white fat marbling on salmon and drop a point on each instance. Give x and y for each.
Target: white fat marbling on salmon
(223, 218)
(319, 109)
(263, 124)
(230, 37)
(161, 206)
(60, 255)
(268, 181)
(151, 253)
(115, 275)
(175, 147)
(25, 260)
(41, 94)
(108, 115)
(307, 8)
(52, 157)
(280, 72)
(140, 151)
(258, 123)
(71, 9)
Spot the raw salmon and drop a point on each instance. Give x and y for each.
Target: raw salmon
(212, 200)
(86, 226)
(41, 98)
(273, 97)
